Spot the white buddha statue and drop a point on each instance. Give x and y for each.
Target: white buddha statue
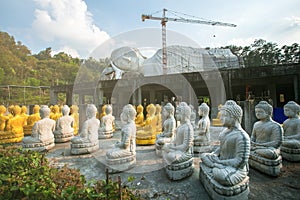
(178, 154)
(42, 137)
(64, 130)
(87, 140)
(123, 155)
(106, 128)
(224, 172)
(290, 147)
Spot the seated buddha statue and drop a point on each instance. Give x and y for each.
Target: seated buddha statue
(103, 111)
(202, 134)
(266, 139)
(3, 118)
(290, 147)
(64, 130)
(87, 140)
(10, 111)
(123, 156)
(14, 128)
(224, 172)
(169, 128)
(217, 121)
(193, 116)
(34, 117)
(178, 154)
(24, 112)
(106, 128)
(55, 113)
(146, 134)
(158, 118)
(139, 119)
(42, 137)
(74, 113)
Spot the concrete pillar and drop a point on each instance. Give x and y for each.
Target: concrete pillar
(296, 88)
(152, 96)
(81, 99)
(139, 96)
(69, 97)
(248, 115)
(273, 95)
(82, 115)
(53, 97)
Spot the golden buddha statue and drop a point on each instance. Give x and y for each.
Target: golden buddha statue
(139, 119)
(34, 117)
(217, 121)
(147, 134)
(10, 110)
(24, 112)
(55, 113)
(14, 128)
(3, 118)
(103, 112)
(74, 113)
(158, 118)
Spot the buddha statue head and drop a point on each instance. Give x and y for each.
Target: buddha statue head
(231, 113)
(108, 109)
(23, 110)
(74, 109)
(65, 110)
(151, 110)
(263, 110)
(140, 109)
(91, 111)
(44, 111)
(158, 108)
(2, 109)
(128, 114)
(291, 109)
(168, 110)
(55, 109)
(183, 112)
(17, 110)
(11, 109)
(203, 109)
(36, 109)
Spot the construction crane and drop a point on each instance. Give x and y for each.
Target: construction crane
(164, 21)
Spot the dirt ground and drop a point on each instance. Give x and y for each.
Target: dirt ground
(151, 182)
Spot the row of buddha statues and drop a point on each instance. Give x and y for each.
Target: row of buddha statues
(15, 123)
(223, 170)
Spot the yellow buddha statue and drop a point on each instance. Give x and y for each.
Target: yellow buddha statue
(14, 128)
(139, 119)
(3, 118)
(55, 113)
(103, 112)
(217, 121)
(34, 117)
(74, 113)
(11, 111)
(24, 112)
(158, 119)
(147, 134)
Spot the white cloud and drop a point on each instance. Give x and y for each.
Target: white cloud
(67, 23)
(294, 21)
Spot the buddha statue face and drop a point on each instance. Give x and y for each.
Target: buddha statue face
(183, 112)
(263, 110)
(108, 109)
(91, 111)
(24, 109)
(128, 113)
(226, 118)
(231, 114)
(65, 110)
(139, 109)
(17, 110)
(151, 110)
(203, 109)
(168, 110)
(36, 109)
(291, 109)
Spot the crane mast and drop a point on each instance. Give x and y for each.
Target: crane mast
(164, 21)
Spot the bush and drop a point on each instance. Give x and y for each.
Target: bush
(27, 175)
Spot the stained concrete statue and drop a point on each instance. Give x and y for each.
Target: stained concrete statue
(123, 155)
(290, 147)
(193, 116)
(178, 154)
(42, 137)
(87, 140)
(106, 128)
(64, 130)
(147, 134)
(139, 119)
(202, 134)
(224, 172)
(266, 139)
(169, 128)
(34, 117)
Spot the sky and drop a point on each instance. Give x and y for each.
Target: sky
(78, 27)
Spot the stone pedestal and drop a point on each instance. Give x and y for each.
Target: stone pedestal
(105, 135)
(39, 146)
(218, 191)
(117, 165)
(289, 154)
(60, 138)
(84, 148)
(178, 171)
(267, 166)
